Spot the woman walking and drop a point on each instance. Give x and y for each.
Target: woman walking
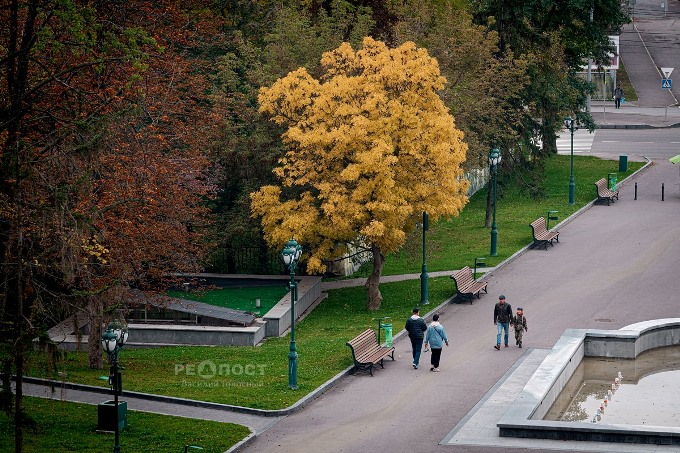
(435, 338)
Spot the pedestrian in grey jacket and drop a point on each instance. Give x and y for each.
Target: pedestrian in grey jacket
(436, 338)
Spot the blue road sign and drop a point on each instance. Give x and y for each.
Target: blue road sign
(666, 83)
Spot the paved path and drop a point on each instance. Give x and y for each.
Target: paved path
(352, 282)
(257, 424)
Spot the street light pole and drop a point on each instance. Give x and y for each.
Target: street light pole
(423, 276)
(570, 123)
(494, 160)
(113, 341)
(291, 254)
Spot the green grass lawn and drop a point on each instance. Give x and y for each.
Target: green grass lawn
(59, 426)
(238, 298)
(257, 376)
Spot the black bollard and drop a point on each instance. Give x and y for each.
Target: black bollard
(661, 191)
(636, 190)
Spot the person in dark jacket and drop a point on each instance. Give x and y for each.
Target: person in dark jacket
(416, 327)
(618, 96)
(502, 317)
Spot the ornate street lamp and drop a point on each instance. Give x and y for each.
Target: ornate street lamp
(113, 340)
(291, 254)
(423, 276)
(494, 160)
(570, 123)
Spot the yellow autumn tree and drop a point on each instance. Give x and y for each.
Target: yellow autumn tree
(371, 146)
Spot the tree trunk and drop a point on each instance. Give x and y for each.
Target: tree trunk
(20, 324)
(19, 400)
(373, 283)
(548, 138)
(94, 344)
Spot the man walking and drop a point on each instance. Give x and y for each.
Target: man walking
(502, 316)
(416, 327)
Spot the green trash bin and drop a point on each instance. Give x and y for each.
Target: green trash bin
(623, 163)
(388, 334)
(612, 181)
(106, 416)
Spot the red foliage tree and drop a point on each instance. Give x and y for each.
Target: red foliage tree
(105, 123)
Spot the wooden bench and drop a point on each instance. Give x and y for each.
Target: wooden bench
(466, 285)
(366, 351)
(543, 237)
(604, 192)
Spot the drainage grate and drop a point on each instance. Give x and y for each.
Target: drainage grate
(604, 320)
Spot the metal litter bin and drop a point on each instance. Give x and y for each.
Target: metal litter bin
(106, 416)
(612, 181)
(388, 334)
(623, 163)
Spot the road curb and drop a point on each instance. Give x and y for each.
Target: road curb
(635, 126)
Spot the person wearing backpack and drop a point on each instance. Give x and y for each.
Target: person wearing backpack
(435, 338)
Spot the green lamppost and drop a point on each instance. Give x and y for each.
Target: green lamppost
(423, 276)
(570, 123)
(291, 254)
(494, 160)
(113, 340)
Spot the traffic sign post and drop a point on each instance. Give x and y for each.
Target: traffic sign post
(666, 83)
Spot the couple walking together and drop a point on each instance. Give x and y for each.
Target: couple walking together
(434, 335)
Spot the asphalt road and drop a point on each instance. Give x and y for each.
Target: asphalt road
(653, 143)
(652, 38)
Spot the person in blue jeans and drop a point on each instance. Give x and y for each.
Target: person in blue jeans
(416, 327)
(502, 317)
